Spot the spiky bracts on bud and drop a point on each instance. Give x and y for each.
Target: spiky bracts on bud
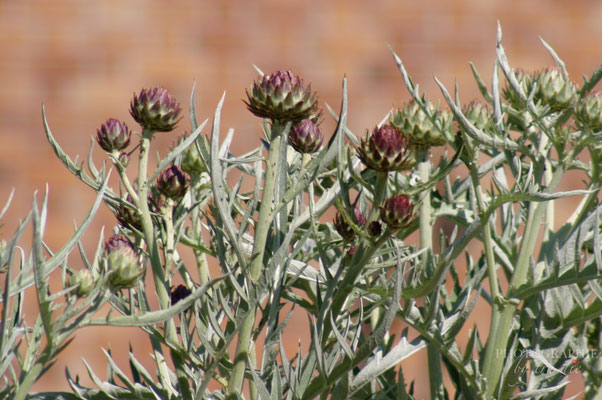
(588, 112)
(397, 211)
(420, 130)
(344, 228)
(554, 89)
(282, 96)
(385, 149)
(191, 161)
(123, 268)
(179, 293)
(172, 183)
(479, 115)
(525, 80)
(155, 110)
(83, 282)
(113, 136)
(306, 137)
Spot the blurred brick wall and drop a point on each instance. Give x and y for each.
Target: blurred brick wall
(84, 59)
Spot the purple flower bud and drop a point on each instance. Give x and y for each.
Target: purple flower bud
(282, 96)
(306, 137)
(397, 211)
(375, 229)
(172, 182)
(179, 293)
(128, 217)
(155, 110)
(119, 243)
(384, 150)
(113, 135)
(344, 228)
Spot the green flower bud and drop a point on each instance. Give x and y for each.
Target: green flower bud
(554, 89)
(155, 110)
(414, 124)
(525, 80)
(397, 211)
(113, 135)
(123, 267)
(384, 150)
(588, 112)
(306, 137)
(479, 115)
(282, 96)
(191, 161)
(83, 281)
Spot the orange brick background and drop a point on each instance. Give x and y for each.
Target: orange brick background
(84, 59)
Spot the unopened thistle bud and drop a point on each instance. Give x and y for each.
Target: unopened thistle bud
(525, 80)
(344, 228)
(172, 183)
(113, 135)
(375, 229)
(479, 115)
(414, 124)
(306, 137)
(127, 216)
(155, 110)
(124, 160)
(554, 89)
(282, 96)
(123, 267)
(397, 211)
(191, 161)
(83, 282)
(588, 112)
(385, 149)
(179, 293)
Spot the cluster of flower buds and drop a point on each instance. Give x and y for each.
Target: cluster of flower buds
(552, 88)
(479, 115)
(306, 137)
(588, 112)
(420, 130)
(397, 211)
(123, 267)
(282, 96)
(172, 183)
(344, 228)
(385, 149)
(82, 281)
(113, 136)
(155, 109)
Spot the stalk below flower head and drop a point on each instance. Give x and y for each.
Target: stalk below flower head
(282, 96)
(155, 110)
(385, 149)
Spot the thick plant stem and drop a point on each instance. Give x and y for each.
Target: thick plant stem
(261, 234)
(161, 284)
(535, 215)
(425, 222)
(491, 268)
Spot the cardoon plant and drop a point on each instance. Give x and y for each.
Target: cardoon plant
(211, 272)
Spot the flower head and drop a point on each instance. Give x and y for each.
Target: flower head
(344, 228)
(113, 135)
(172, 182)
(306, 137)
(385, 149)
(282, 96)
(155, 110)
(554, 89)
(123, 268)
(420, 130)
(588, 112)
(83, 282)
(397, 211)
